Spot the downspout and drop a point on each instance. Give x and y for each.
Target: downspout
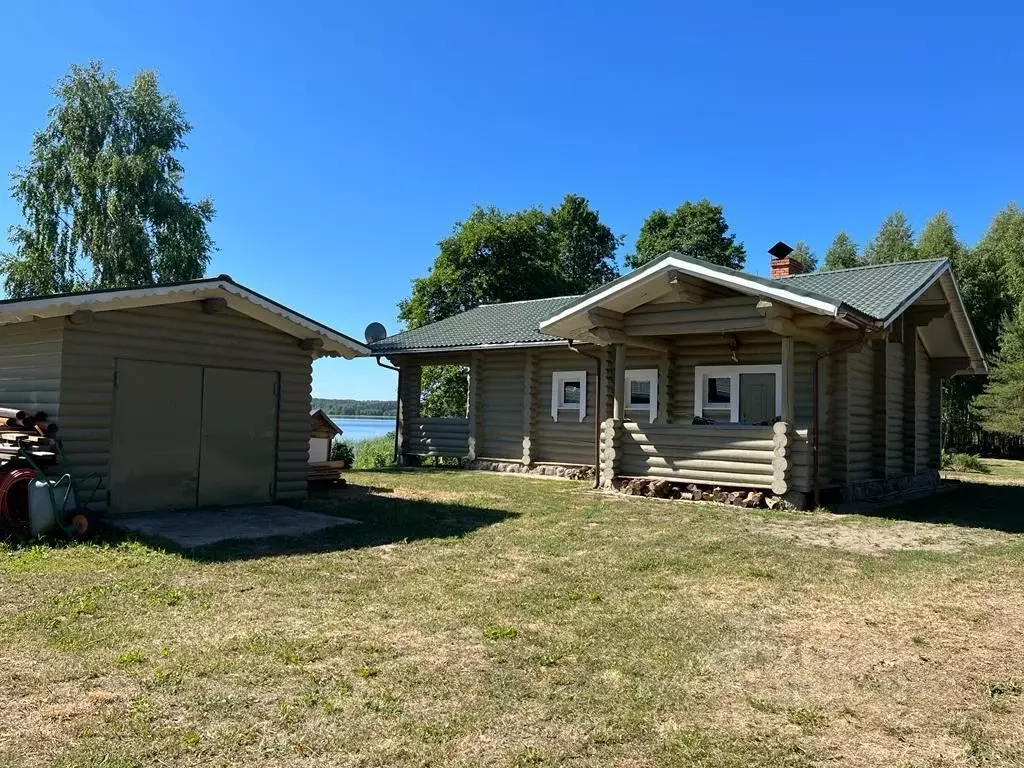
(816, 411)
(597, 412)
(398, 406)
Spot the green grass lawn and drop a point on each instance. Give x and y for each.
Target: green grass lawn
(477, 619)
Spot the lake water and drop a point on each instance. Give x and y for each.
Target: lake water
(354, 430)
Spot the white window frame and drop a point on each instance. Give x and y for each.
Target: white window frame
(643, 374)
(558, 381)
(701, 373)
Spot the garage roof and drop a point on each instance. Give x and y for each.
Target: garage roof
(237, 296)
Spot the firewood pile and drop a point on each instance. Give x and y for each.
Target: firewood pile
(28, 431)
(665, 489)
(325, 471)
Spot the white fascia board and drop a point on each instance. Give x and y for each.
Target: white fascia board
(960, 319)
(742, 284)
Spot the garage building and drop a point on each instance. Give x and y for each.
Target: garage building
(181, 395)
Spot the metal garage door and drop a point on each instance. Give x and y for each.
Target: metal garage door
(155, 452)
(184, 435)
(239, 437)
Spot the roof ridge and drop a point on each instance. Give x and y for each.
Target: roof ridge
(862, 266)
(527, 301)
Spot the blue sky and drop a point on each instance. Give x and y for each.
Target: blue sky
(340, 141)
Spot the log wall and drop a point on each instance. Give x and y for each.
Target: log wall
(922, 404)
(437, 437)
(500, 405)
(568, 440)
(30, 365)
(861, 427)
(894, 398)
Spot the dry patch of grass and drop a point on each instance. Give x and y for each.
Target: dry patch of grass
(491, 620)
(826, 530)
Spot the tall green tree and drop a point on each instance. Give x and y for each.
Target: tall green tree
(1001, 405)
(1002, 248)
(893, 242)
(586, 246)
(842, 253)
(938, 239)
(991, 297)
(102, 195)
(494, 256)
(803, 253)
(693, 229)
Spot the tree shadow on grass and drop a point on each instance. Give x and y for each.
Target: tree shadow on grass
(967, 504)
(380, 519)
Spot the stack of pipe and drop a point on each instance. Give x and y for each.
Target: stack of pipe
(27, 430)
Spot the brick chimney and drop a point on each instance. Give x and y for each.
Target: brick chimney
(782, 264)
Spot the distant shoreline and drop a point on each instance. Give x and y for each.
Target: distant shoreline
(368, 418)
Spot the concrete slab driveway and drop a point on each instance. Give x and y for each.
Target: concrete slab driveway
(191, 528)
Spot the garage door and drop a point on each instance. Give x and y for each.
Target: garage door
(239, 448)
(155, 453)
(185, 435)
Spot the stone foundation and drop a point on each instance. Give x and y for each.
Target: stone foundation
(572, 472)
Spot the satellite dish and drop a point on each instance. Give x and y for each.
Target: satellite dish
(374, 332)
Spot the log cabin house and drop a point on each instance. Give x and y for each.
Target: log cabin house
(826, 383)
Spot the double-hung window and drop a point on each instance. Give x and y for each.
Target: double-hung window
(569, 393)
(642, 392)
(738, 394)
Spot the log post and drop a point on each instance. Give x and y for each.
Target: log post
(619, 392)
(788, 383)
(664, 414)
(471, 404)
(909, 397)
(408, 405)
(529, 406)
(611, 432)
(780, 459)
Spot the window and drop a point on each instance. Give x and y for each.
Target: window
(642, 391)
(569, 393)
(738, 394)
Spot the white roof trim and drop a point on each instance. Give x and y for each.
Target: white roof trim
(743, 284)
(960, 319)
(239, 298)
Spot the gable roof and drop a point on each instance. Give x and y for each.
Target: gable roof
(754, 285)
(237, 296)
(879, 291)
(514, 323)
(317, 416)
(864, 297)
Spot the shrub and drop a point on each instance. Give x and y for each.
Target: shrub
(342, 451)
(375, 452)
(964, 462)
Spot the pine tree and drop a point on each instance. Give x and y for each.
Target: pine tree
(803, 253)
(842, 254)
(893, 242)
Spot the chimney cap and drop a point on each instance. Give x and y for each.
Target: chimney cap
(780, 250)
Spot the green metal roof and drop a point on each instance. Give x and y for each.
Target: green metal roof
(874, 291)
(515, 322)
(877, 291)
